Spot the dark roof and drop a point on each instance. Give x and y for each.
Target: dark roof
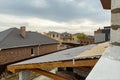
(52, 32)
(11, 38)
(65, 35)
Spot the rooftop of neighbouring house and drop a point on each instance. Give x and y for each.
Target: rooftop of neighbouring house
(11, 38)
(65, 35)
(53, 32)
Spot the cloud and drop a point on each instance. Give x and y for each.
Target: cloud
(59, 15)
(44, 25)
(38, 3)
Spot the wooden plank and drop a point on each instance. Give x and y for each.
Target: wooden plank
(106, 4)
(48, 74)
(78, 63)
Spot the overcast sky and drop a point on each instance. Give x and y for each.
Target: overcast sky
(54, 15)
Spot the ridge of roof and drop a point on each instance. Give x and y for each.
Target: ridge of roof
(53, 32)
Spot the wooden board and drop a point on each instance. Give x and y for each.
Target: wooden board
(78, 63)
(106, 4)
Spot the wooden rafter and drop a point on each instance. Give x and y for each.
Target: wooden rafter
(78, 63)
(106, 4)
(48, 74)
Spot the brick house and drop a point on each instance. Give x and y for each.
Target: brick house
(61, 37)
(88, 40)
(17, 44)
(53, 35)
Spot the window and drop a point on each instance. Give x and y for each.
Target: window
(32, 51)
(53, 35)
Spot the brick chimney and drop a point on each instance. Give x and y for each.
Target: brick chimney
(22, 31)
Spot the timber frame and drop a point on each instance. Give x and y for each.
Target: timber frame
(77, 63)
(39, 66)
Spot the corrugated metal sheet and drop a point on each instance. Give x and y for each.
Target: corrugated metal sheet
(58, 56)
(88, 51)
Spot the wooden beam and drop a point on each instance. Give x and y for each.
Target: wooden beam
(106, 4)
(48, 74)
(78, 63)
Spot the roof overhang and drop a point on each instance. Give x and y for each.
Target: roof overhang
(106, 4)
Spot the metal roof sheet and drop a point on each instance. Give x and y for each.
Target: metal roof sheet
(73, 53)
(58, 56)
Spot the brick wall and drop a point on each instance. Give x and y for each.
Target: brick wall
(11, 55)
(86, 41)
(48, 48)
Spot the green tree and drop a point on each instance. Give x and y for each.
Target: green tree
(81, 36)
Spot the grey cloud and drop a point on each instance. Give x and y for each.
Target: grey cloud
(57, 10)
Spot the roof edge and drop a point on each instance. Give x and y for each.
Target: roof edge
(106, 4)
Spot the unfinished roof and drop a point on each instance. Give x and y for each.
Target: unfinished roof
(95, 51)
(11, 38)
(65, 58)
(69, 54)
(106, 4)
(57, 56)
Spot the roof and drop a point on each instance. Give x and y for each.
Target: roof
(108, 67)
(106, 4)
(65, 35)
(57, 56)
(11, 39)
(94, 51)
(77, 34)
(65, 58)
(73, 53)
(52, 32)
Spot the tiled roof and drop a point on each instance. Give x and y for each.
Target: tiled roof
(11, 38)
(52, 32)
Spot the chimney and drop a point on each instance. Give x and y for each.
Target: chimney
(22, 31)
